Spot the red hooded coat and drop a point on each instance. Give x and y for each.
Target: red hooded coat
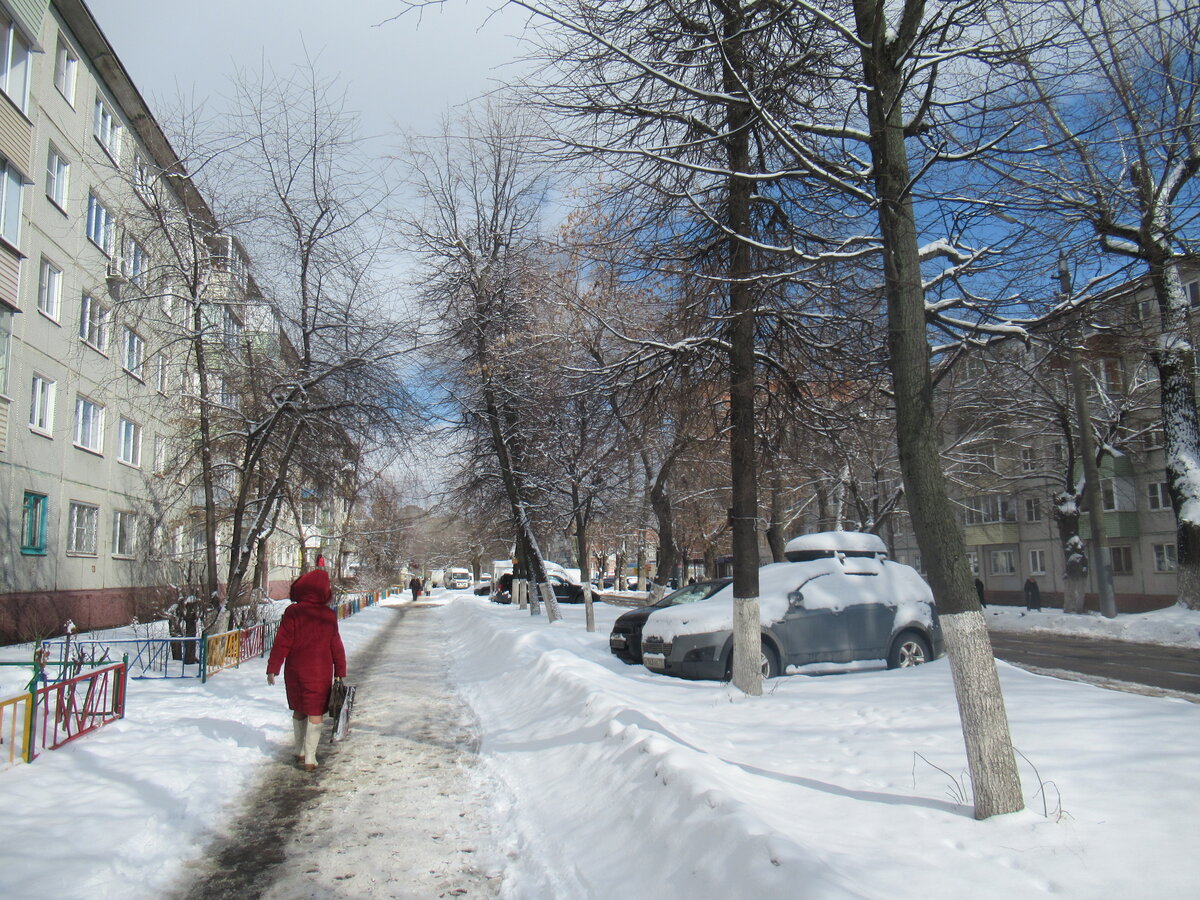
(309, 642)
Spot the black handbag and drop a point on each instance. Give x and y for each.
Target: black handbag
(337, 697)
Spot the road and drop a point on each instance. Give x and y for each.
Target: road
(1151, 665)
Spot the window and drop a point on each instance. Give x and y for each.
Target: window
(143, 177)
(160, 373)
(988, 509)
(107, 129)
(1109, 375)
(14, 63)
(308, 512)
(65, 65)
(1029, 462)
(1154, 438)
(33, 524)
(1158, 495)
(1004, 562)
(973, 561)
(1146, 310)
(11, 185)
(5, 340)
(136, 262)
(1193, 294)
(160, 454)
(93, 322)
(58, 172)
(1108, 495)
(1037, 562)
(49, 289)
(82, 522)
(41, 405)
(1165, 559)
(1122, 560)
(1033, 509)
(232, 329)
(133, 352)
(89, 425)
(100, 224)
(130, 435)
(124, 533)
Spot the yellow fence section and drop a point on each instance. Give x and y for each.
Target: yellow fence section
(222, 651)
(16, 714)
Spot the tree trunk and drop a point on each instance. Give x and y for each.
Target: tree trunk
(995, 781)
(747, 629)
(1175, 360)
(776, 538)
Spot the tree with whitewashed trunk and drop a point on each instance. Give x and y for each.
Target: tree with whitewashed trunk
(1110, 144)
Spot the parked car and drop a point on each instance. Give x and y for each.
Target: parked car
(840, 600)
(625, 640)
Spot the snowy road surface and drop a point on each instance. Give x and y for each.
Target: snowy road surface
(391, 812)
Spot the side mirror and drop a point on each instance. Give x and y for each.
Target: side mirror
(796, 598)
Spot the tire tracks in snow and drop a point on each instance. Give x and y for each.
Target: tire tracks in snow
(393, 811)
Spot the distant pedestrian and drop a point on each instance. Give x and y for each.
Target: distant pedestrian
(1033, 594)
(416, 587)
(979, 591)
(309, 650)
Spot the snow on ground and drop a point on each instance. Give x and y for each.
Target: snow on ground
(607, 780)
(1174, 625)
(625, 783)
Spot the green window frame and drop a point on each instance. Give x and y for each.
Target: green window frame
(33, 524)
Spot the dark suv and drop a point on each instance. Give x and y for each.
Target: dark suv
(625, 641)
(841, 600)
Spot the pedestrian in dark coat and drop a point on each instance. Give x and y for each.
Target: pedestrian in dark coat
(979, 591)
(1033, 594)
(309, 649)
(416, 587)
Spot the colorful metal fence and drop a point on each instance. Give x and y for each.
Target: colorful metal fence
(68, 710)
(230, 649)
(16, 724)
(148, 657)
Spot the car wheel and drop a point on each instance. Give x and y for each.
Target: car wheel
(768, 661)
(908, 649)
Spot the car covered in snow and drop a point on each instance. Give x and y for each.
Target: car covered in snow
(625, 639)
(838, 599)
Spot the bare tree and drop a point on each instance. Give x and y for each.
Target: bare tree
(1111, 144)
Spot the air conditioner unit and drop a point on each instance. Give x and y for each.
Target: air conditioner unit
(116, 269)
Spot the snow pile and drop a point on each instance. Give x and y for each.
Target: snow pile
(1173, 625)
(624, 783)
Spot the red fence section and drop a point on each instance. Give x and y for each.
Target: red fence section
(72, 708)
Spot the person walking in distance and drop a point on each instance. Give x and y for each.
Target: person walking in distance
(1033, 594)
(309, 649)
(415, 586)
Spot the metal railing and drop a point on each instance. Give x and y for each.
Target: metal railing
(16, 724)
(230, 649)
(148, 657)
(70, 709)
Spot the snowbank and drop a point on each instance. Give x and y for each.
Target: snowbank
(623, 783)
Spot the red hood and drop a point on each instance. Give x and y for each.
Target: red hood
(312, 587)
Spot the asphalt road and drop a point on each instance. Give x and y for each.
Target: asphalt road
(1152, 665)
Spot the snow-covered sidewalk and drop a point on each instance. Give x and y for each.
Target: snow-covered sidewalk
(391, 812)
(129, 811)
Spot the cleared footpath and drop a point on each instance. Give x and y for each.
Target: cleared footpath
(393, 811)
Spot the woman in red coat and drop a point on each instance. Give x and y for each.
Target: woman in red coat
(309, 649)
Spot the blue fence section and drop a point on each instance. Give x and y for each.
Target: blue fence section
(148, 657)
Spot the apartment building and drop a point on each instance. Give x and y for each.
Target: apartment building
(93, 371)
(1011, 448)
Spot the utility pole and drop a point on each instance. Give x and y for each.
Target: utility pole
(1091, 472)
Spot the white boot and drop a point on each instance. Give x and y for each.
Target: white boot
(298, 733)
(311, 736)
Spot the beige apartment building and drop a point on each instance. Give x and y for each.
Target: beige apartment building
(98, 510)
